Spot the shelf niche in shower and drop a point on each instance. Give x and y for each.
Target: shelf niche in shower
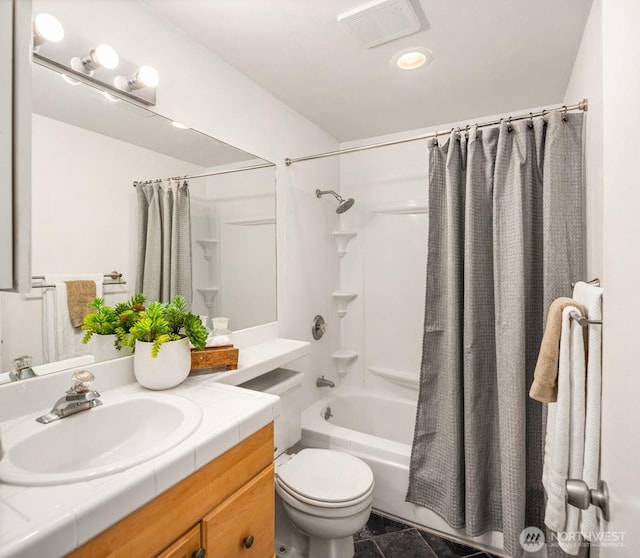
(344, 359)
(342, 239)
(208, 294)
(342, 301)
(208, 246)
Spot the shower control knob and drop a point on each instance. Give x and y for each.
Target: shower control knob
(318, 327)
(248, 541)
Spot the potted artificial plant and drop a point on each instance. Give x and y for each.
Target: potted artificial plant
(110, 326)
(161, 336)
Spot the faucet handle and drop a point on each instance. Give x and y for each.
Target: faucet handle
(82, 379)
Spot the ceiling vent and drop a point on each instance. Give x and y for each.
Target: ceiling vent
(380, 21)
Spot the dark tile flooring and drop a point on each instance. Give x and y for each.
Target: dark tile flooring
(385, 538)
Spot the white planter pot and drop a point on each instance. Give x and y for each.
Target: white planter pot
(170, 368)
(103, 348)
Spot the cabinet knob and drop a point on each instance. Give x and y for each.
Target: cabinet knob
(248, 541)
(200, 553)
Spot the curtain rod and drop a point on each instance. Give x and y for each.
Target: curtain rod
(582, 105)
(213, 173)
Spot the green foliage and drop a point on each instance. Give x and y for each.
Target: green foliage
(107, 320)
(161, 322)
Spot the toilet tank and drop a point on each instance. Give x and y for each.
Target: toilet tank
(285, 384)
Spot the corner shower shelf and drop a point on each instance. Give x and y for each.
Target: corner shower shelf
(207, 245)
(342, 239)
(344, 359)
(342, 301)
(399, 377)
(402, 207)
(208, 294)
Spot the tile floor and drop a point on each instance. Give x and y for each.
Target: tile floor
(386, 538)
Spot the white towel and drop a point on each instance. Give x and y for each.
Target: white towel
(60, 339)
(591, 298)
(564, 446)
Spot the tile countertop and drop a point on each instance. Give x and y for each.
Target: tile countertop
(53, 520)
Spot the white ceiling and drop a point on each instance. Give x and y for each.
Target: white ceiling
(491, 56)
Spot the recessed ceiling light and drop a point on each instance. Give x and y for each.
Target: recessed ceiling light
(412, 58)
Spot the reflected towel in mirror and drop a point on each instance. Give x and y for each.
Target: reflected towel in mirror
(60, 339)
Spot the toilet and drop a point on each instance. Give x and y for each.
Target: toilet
(326, 494)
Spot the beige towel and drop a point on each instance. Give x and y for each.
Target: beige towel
(79, 295)
(545, 378)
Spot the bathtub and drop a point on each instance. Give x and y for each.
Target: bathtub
(379, 430)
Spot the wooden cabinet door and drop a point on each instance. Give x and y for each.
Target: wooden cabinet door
(187, 546)
(243, 525)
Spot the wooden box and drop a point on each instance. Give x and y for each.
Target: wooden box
(215, 357)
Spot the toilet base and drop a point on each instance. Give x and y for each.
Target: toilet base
(331, 548)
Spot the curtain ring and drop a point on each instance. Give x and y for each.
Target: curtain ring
(435, 140)
(564, 110)
(509, 126)
(530, 124)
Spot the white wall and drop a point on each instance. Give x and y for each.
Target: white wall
(586, 82)
(83, 219)
(201, 91)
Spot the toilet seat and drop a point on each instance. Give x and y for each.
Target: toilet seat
(326, 478)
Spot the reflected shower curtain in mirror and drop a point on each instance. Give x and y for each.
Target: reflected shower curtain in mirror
(164, 240)
(505, 239)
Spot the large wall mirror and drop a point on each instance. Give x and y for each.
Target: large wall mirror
(88, 149)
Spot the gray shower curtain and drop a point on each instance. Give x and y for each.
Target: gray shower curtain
(164, 241)
(505, 239)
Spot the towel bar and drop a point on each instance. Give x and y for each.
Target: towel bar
(584, 322)
(115, 279)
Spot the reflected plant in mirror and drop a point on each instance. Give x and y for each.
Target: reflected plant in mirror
(88, 149)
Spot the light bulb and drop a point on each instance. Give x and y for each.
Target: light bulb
(47, 28)
(105, 56)
(412, 58)
(147, 76)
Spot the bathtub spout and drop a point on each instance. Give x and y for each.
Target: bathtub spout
(323, 382)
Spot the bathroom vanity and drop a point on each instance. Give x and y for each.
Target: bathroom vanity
(223, 510)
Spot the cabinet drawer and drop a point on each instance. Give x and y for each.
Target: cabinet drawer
(187, 546)
(243, 525)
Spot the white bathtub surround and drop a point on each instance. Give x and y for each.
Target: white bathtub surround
(342, 301)
(378, 428)
(342, 239)
(53, 520)
(344, 359)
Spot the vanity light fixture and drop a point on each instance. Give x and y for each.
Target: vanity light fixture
(46, 28)
(146, 76)
(412, 58)
(103, 56)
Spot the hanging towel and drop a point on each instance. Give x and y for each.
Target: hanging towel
(544, 387)
(591, 298)
(79, 295)
(564, 447)
(61, 339)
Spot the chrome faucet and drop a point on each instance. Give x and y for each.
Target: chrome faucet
(78, 398)
(323, 382)
(21, 369)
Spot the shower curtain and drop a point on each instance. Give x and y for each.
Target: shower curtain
(164, 241)
(505, 239)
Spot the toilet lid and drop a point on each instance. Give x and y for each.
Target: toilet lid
(326, 475)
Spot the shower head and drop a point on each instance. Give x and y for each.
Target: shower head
(343, 205)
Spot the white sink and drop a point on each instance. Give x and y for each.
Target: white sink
(121, 433)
